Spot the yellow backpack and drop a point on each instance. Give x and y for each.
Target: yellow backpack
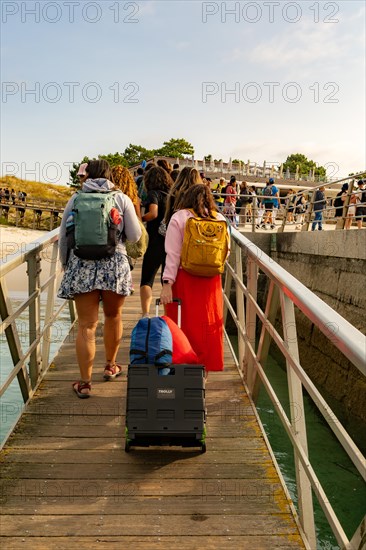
(205, 246)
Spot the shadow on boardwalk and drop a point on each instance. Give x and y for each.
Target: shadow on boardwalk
(67, 482)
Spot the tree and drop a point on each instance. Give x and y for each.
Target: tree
(360, 176)
(208, 158)
(114, 159)
(135, 154)
(175, 148)
(305, 165)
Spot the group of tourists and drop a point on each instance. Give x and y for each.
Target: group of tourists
(164, 198)
(159, 201)
(10, 196)
(353, 202)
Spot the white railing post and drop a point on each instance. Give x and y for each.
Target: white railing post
(33, 272)
(240, 308)
(51, 293)
(298, 421)
(272, 305)
(228, 280)
(251, 319)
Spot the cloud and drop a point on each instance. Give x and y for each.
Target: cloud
(182, 45)
(306, 44)
(147, 7)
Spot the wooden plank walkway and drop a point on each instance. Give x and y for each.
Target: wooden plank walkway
(67, 482)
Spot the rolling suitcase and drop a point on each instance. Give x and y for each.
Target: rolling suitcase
(165, 410)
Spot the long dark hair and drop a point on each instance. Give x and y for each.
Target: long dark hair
(199, 198)
(157, 179)
(98, 169)
(187, 177)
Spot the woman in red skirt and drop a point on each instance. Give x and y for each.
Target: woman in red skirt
(202, 301)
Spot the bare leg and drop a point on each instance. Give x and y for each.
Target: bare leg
(146, 298)
(87, 306)
(113, 327)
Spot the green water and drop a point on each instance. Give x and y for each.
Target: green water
(341, 481)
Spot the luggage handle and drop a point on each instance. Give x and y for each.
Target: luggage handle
(176, 300)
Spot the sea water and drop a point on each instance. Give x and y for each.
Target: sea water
(11, 402)
(342, 483)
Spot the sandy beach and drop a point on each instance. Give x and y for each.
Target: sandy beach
(15, 239)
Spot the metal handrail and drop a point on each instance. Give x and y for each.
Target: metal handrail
(309, 207)
(285, 292)
(35, 256)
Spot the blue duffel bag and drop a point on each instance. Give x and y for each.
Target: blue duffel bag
(151, 343)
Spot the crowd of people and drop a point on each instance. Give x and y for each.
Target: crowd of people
(9, 196)
(164, 198)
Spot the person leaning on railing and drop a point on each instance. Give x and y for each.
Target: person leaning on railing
(319, 205)
(361, 203)
(351, 209)
(217, 193)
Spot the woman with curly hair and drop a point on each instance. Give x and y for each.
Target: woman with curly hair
(124, 182)
(202, 302)
(157, 183)
(187, 177)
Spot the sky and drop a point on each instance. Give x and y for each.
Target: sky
(250, 80)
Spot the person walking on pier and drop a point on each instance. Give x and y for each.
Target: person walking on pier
(319, 205)
(89, 281)
(202, 302)
(158, 183)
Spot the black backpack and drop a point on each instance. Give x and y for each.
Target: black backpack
(338, 203)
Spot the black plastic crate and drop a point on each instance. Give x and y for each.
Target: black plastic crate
(166, 410)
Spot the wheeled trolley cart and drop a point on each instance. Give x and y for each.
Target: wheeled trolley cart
(165, 410)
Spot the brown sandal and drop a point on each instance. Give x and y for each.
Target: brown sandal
(78, 387)
(112, 371)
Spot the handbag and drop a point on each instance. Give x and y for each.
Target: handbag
(138, 249)
(162, 228)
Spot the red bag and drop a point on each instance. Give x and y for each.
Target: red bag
(183, 352)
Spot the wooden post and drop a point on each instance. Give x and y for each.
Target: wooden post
(12, 337)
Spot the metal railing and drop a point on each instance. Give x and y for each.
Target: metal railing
(253, 213)
(268, 169)
(30, 364)
(284, 293)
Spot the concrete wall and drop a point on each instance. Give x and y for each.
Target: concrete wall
(333, 265)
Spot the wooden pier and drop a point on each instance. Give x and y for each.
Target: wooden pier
(68, 484)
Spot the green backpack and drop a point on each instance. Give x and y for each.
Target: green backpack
(90, 229)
